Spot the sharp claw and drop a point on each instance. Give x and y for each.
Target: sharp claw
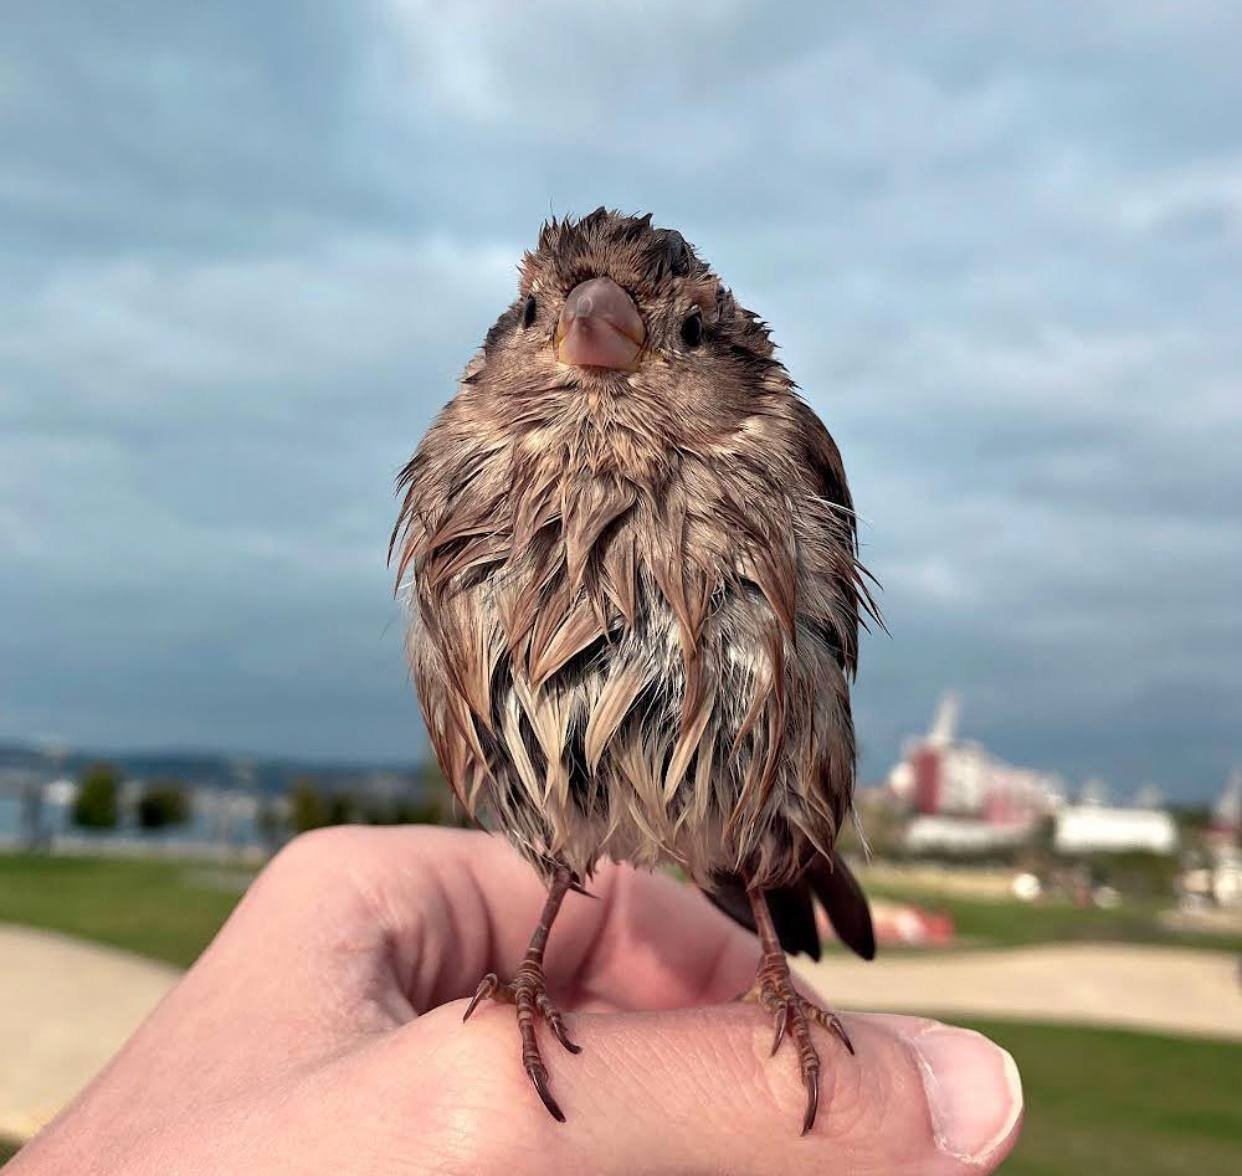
(812, 1101)
(782, 1020)
(839, 1029)
(558, 1031)
(485, 989)
(556, 1023)
(528, 994)
(545, 1095)
(564, 1039)
(578, 888)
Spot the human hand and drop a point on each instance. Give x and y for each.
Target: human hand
(321, 1033)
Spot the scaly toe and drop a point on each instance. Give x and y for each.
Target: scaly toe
(792, 1016)
(528, 992)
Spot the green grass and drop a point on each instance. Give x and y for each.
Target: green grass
(1008, 923)
(1108, 1102)
(8, 1149)
(167, 910)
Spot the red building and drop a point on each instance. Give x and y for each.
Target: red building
(942, 775)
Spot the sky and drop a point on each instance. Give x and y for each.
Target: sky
(247, 250)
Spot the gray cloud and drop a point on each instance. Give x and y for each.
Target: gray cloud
(248, 250)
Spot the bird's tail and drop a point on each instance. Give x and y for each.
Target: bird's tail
(828, 880)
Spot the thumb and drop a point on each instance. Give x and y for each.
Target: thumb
(696, 1091)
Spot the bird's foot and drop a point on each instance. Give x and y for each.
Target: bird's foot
(793, 1013)
(528, 991)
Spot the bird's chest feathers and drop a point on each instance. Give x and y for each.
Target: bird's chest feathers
(596, 434)
(618, 669)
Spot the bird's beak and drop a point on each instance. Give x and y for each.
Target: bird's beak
(600, 327)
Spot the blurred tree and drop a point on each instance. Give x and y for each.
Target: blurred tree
(96, 804)
(163, 803)
(307, 807)
(269, 824)
(340, 809)
(418, 812)
(437, 804)
(1191, 820)
(1136, 874)
(405, 810)
(430, 803)
(1037, 856)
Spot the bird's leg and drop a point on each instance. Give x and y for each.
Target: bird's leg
(528, 992)
(792, 1012)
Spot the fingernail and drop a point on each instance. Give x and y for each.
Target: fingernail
(973, 1090)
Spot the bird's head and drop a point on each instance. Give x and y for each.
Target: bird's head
(611, 309)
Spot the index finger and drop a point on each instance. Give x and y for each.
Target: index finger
(443, 907)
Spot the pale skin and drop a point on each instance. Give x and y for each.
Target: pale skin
(322, 1033)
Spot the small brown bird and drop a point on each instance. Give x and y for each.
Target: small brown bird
(630, 560)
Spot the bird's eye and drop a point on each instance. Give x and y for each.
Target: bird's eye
(528, 310)
(692, 328)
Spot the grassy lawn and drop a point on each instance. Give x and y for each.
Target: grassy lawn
(1004, 923)
(167, 910)
(1107, 1102)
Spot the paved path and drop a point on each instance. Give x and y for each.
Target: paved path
(66, 1005)
(1157, 989)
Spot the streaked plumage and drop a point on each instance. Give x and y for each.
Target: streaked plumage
(634, 595)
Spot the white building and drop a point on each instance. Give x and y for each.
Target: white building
(1223, 839)
(1226, 820)
(961, 835)
(1095, 828)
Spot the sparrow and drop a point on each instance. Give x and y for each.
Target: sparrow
(630, 565)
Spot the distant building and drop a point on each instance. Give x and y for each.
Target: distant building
(1096, 828)
(964, 836)
(940, 775)
(1227, 878)
(1224, 841)
(1225, 825)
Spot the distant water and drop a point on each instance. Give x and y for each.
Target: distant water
(10, 817)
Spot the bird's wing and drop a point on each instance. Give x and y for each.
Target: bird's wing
(850, 579)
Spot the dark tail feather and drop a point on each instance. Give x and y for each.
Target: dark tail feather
(848, 910)
(793, 912)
